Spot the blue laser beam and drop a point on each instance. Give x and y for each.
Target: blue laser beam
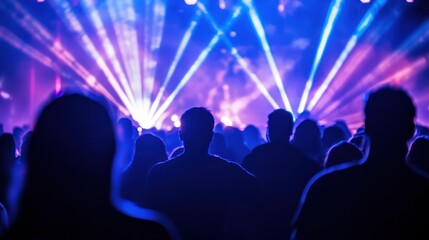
(360, 30)
(265, 45)
(201, 58)
(333, 13)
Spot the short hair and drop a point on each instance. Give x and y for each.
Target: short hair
(389, 113)
(280, 122)
(197, 122)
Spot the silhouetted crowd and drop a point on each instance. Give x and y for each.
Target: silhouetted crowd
(82, 172)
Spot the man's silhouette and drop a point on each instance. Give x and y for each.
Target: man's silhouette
(379, 199)
(195, 188)
(283, 171)
(67, 194)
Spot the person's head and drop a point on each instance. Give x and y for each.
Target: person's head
(389, 115)
(342, 152)
(149, 150)
(70, 154)
(280, 125)
(307, 136)
(196, 129)
(332, 135)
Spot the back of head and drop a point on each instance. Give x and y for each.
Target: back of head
(332, 135)
(149, 150)
(341, 153)
(70, 155)
(307, 136)
(196, 129)
(389, 115)
(280, 125)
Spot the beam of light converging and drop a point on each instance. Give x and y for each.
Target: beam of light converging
(359, 55)
(179, 53)
(63, 9)
(419, 37)
(153, 29)
(257, 25)
(399, 77)
(201, 58)
(123, 16)
(97, 23)
(30, 51)
(239, 58)
(360, 30)
(41, 34)
(27, 49)
(333, 13)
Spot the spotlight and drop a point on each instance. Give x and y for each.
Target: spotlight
(333, 13)
(226, 121)
(365, 1)
(174, 118)
(191, 2)
(177, 124)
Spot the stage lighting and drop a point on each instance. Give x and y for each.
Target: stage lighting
(226, 121)
(259, 29)
(174, 118)
(365, 1)
(177, 124)
(240, 59)
(360, 30)
(201, 58)
(333, 13)
(191, 2)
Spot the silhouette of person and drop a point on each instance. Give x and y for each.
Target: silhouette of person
(235, 142)
(7, 162)
(283, 170)
(331, 136)
(252, 137)
(307, 138)
(149, 150)
(418, 156)
(342, 152)
(379, 199)
(67, 192)
(195, 189)
(218, 147)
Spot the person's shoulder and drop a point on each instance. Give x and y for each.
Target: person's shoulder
(165, 166)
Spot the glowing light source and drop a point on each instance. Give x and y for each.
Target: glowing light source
(201, 58)
(179, 53)
(240, 59)
(191, 2)
(63, 9)
(333, 13)
(226, 121)
(177, 124)
(360, 29)
(365, 1)
(174, 118)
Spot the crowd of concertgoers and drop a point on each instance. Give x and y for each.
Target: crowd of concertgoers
(84, 173)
